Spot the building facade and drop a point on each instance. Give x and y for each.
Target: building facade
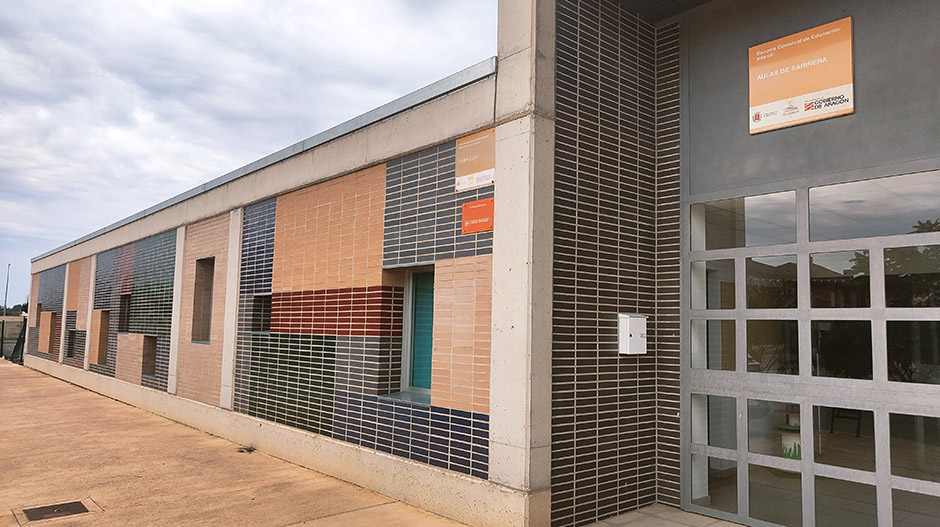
(425, 300)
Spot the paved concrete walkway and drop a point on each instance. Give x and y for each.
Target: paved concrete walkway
(60, 443)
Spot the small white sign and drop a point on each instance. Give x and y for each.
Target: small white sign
(475, 180)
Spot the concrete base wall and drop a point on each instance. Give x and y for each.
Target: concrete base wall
(461, 498)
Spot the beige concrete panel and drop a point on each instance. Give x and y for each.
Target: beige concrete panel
(482, 503)
(526, 64)
(90, 309)
(227, 392)
(454, 115)
(520, 434)
(65, 302)
(172, 378)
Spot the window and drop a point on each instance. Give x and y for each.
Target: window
(202, 299)
(148, 364)
(419, 331)
(124, 314)
(261, 313)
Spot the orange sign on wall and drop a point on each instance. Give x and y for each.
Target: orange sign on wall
(477, 216)
(802, 77)
(476, 160)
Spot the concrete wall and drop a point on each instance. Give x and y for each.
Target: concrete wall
(896, 97)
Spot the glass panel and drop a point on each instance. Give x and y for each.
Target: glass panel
(713, 344)
(915, 446)
(744, 222)
(774, 429)
(877, 207)
(715, 483)
(713, 284)
(840, 279)
(771, 282)
(915, 510)
(914, 351)
(714, 421)
(842, 348)
(840, 503)
(772, 346)
(422, 335)
(775, 495)
(844, 437)
(912, 276)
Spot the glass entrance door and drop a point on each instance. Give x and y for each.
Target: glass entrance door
(811, 365)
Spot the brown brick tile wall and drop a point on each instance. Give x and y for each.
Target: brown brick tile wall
(199, 370)
(130, 357)
(329, 235)
(460, 369)
(33, 300)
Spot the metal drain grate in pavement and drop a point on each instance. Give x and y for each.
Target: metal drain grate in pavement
(49, 512)
(55, 511)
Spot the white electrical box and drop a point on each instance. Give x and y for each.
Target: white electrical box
(631, 334)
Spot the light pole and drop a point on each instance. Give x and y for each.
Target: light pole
(6, 289)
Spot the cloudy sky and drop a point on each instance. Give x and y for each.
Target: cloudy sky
(108, 107)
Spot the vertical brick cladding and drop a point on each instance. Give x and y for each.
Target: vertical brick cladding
(665, 332)
(463, 293)
(49, 286)
(612, 206)
(200, 364)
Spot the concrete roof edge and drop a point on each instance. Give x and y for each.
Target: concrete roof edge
(465, 77)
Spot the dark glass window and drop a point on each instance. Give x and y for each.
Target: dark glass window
(842, 348)
(773, 346)
(840, 279)
(771, 282)
(914, 351)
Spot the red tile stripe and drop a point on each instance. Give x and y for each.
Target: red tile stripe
(355, 311)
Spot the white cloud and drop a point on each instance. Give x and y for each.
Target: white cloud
(109, 107)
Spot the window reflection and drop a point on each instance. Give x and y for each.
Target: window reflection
(715, 483)
(752, 221)
(915, 446)
(840, 503)
(773, 346)
(713, 344)
(771, 282)
(912, 276)
(912, 509)
(714, 421)
(774, 429)
(842, 348)
(775, 495)
(914, 351)
(840, 279)
(713, 284)
(844, 437)
(876, 207)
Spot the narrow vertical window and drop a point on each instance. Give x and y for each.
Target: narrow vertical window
(422, 324)
(202, 299)
(124, 314)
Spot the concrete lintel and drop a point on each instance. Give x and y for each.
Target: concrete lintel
(227, 393)
(172, 377)
(481, 503)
